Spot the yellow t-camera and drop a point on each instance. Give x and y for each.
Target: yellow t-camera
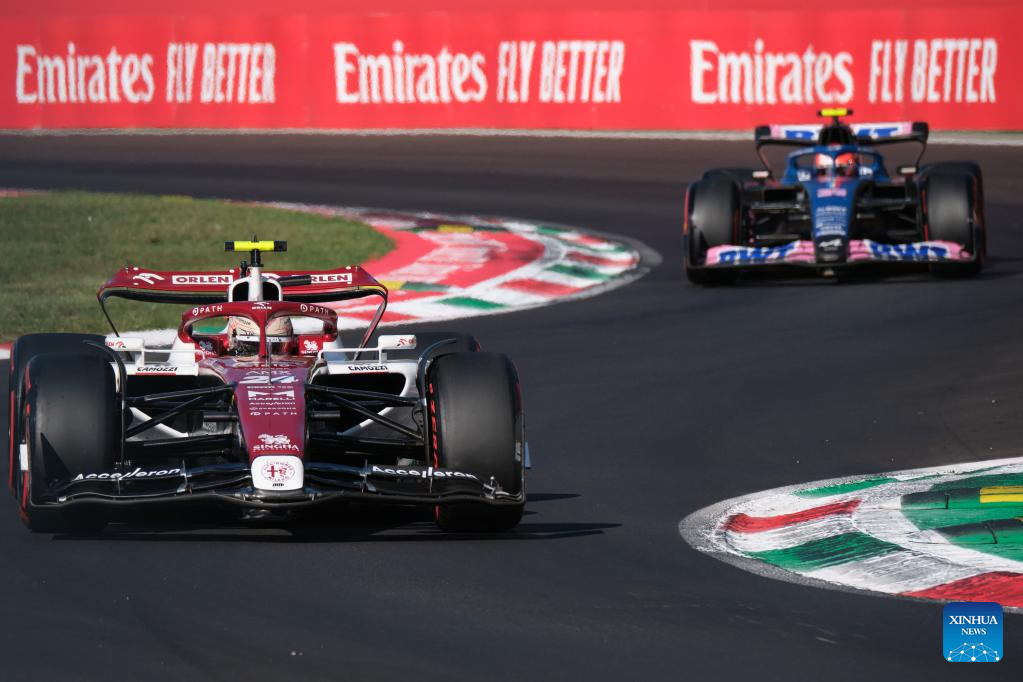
(834, 112)
(256, 246)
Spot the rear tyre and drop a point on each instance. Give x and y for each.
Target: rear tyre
(479, 429)
(713, 220)
(72, 426)
(22, 351)
(950, 213)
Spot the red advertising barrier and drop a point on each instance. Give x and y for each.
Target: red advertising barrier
(566, 64)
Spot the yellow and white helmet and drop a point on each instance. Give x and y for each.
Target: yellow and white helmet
(243, 336)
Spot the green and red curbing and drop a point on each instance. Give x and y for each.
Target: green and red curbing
(946, 533)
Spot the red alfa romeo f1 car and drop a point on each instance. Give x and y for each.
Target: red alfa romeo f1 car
(259, 405)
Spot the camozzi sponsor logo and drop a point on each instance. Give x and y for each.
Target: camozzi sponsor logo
(209, 73)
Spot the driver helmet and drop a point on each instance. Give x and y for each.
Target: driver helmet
(846, 164)
(823, 163)
(243, 336)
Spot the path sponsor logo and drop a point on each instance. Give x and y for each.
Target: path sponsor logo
(972, 632)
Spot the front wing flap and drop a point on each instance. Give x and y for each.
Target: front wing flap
(861, 251)
(232, 484)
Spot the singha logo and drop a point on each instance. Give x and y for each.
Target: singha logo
(278, 441)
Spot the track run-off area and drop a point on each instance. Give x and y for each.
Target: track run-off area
(645, 404)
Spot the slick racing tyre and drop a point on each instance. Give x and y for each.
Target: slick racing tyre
(713, 219)
(464, 343)
(950, 203)
(475, 400)
(71, 423)
(24, 349)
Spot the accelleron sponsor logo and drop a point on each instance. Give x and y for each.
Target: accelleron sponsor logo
(121, 476)
(429, 472)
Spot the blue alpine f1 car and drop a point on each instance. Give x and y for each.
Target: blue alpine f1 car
(835, 206)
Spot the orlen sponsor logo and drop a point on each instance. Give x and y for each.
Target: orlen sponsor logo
(121, 476)
(938, 70)
(229, 72)
(332, 278)
(428, 472)
(201, 279)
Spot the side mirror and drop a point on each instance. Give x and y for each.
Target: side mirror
(906, 170)
(397, 342)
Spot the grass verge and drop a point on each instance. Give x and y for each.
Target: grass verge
(58, 248)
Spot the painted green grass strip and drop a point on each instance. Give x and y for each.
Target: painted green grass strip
(577, 271)
(470, 302)
(831, 551)
(842, 488)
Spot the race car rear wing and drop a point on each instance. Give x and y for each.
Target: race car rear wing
(196, 288)
(866, 134)
(872, 134)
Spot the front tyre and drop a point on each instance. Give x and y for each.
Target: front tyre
(952, 214)
(72, 426)
(713, 218)
(476, 402)
(22, 351)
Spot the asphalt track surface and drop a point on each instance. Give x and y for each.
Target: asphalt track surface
(644, 404)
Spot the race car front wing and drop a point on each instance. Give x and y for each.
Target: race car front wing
(232, 484)
(860, 251)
